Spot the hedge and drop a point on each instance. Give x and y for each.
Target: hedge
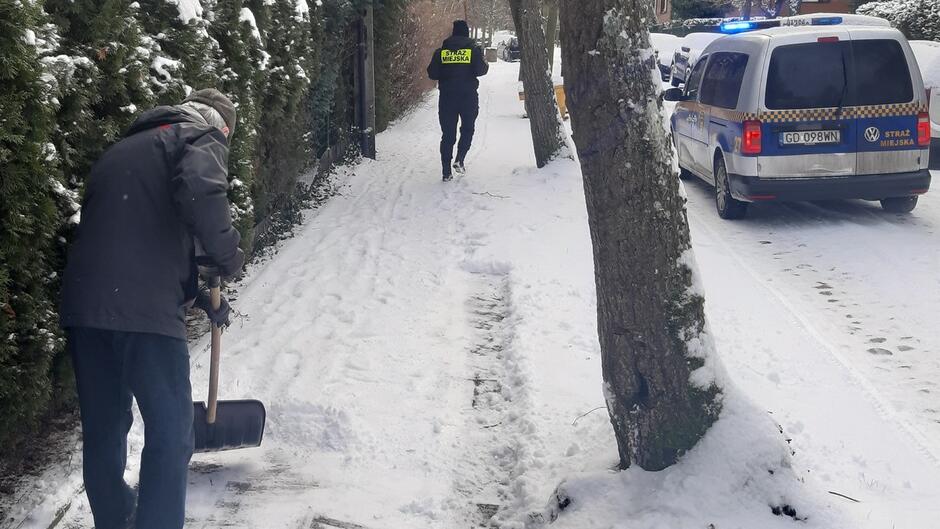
(75, 73)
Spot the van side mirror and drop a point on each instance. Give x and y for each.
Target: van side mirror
(673, 94)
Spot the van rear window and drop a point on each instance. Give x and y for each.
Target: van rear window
(814, 75)
(876, 63)
(810, 75)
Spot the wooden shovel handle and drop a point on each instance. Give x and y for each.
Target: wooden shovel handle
(215, 295)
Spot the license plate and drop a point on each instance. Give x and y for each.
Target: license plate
(811, 137)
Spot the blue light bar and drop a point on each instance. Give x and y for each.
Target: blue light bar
(827, 21)
(737, 26)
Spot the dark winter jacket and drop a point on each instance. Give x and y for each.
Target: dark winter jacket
(456, 66)
(132, 266)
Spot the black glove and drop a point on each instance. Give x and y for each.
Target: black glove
(220, 317)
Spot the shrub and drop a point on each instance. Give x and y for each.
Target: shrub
(917, 19)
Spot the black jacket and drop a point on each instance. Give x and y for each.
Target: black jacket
(132, 265)
(457, 64)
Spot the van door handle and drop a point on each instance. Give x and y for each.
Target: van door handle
(713, 122)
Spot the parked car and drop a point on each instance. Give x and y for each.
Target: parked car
(664, 46)
(847, 19)
(805, 113)
(928, 59)
(687, 54)
(509, 50)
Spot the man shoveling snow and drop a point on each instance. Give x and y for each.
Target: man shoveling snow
(130, 278)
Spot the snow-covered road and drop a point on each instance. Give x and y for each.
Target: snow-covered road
(827, 315)
(428, 353)
(866, 280)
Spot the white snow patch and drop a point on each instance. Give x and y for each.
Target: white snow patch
(247, 16)
(732, 478)
(302, 9)
(165, 67)
(188, 9)
(66, 64)
(51, 153)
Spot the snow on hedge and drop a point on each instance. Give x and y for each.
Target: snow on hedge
(247, 16)
(917, 19)
(189, 9)
(165, 67)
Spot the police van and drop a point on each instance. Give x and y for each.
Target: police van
(823, 110)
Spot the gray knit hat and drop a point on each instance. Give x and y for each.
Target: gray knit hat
(218, 101)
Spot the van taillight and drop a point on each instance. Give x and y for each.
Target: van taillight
(750, 144)
(923, 129)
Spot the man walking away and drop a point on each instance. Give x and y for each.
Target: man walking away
(456, 66)
(130, 278)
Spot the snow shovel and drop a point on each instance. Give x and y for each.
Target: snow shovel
(229, 424)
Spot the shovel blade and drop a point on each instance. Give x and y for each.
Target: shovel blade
(238, 424)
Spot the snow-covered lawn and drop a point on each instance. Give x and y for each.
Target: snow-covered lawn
(428, 353)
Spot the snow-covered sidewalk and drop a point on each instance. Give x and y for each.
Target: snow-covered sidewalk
(428, 355)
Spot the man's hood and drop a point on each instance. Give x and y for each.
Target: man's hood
(455, 42)
(164, 115)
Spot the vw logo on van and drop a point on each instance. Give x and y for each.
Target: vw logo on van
(872, 134)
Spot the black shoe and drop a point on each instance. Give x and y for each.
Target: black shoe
(448, 177)
(459, 168)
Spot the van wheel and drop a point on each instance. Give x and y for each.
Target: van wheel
(899, 204)
(728, 207)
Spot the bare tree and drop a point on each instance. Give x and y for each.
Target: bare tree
(551, 29)
(770, 8)
(486, 17)
(651, 322)
(540, 104)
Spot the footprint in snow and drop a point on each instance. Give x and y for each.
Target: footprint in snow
(880, 352)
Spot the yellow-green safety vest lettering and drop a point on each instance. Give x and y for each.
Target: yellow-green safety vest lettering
(456, 56)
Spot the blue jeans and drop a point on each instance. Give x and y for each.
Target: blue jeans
(111, 368)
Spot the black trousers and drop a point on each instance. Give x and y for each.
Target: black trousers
(111, 368)
(464, 106)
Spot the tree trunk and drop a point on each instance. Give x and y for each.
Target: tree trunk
(651, 322)
(551, 29)
(540, 102)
